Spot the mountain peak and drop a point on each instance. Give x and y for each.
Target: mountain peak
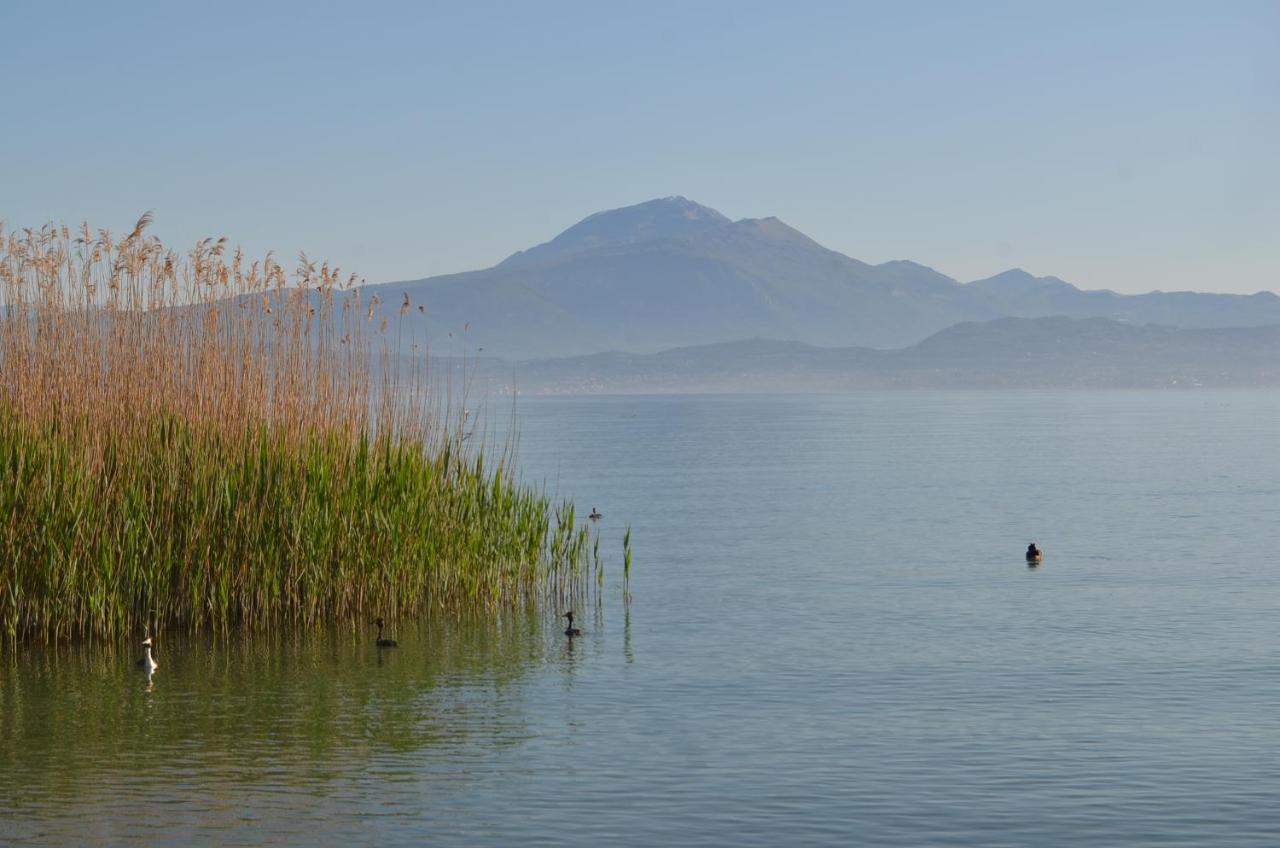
(906, 265)
(1014, 275)
(659, 209)
(663, 217)
(1017, 279)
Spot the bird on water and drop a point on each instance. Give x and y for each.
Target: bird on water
(380, 642)
(571, 631)
(1033, 553)
(595, 514)
(147, 663)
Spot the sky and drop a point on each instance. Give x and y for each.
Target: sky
(1131, 146)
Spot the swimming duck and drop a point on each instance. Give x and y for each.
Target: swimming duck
(1033, 553)
(571, 631)
(595, 514)
(147, 663)
(380, 642)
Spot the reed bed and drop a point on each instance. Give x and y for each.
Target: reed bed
(193, 439)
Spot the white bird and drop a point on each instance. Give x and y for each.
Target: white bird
(148, 663)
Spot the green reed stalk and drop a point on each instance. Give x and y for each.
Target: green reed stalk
(186, 439)
(626, 561)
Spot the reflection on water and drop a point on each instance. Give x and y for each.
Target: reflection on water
(229, 734)
(835, 639)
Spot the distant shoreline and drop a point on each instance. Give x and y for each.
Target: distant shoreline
(1004, 354)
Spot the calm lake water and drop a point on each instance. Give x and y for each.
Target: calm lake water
(833, 640)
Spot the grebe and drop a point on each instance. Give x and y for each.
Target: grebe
(380, 642)
(1033, 553)
(571, 631)
(147, 663)
(595, 514)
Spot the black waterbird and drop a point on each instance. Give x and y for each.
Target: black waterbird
(380, 642)
(571, 631)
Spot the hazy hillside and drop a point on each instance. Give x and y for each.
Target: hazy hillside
(1017, 293)
(670, 273)
(1005, 353)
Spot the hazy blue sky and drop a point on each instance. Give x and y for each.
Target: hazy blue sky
(1123, 145)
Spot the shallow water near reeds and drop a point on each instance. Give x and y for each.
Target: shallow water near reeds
(833, 639)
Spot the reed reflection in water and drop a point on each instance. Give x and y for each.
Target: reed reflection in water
(272, 738)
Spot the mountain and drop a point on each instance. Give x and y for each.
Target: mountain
(1005, 353)
(671, 273)
(1017, 293)
(655, 219)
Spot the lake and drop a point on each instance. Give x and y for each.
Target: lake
(833, 639)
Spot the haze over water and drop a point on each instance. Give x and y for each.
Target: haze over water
(833, 640)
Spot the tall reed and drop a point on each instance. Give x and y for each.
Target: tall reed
(626, 563)
(199, 439)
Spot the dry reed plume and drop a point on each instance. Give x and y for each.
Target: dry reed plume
(194, 438)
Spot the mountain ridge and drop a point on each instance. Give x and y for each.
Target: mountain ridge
(671, 272)
(1008, 353)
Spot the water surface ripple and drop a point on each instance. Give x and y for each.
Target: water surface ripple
(833, 640)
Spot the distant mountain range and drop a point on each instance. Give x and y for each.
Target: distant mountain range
(670, 273)
(1005, 353)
